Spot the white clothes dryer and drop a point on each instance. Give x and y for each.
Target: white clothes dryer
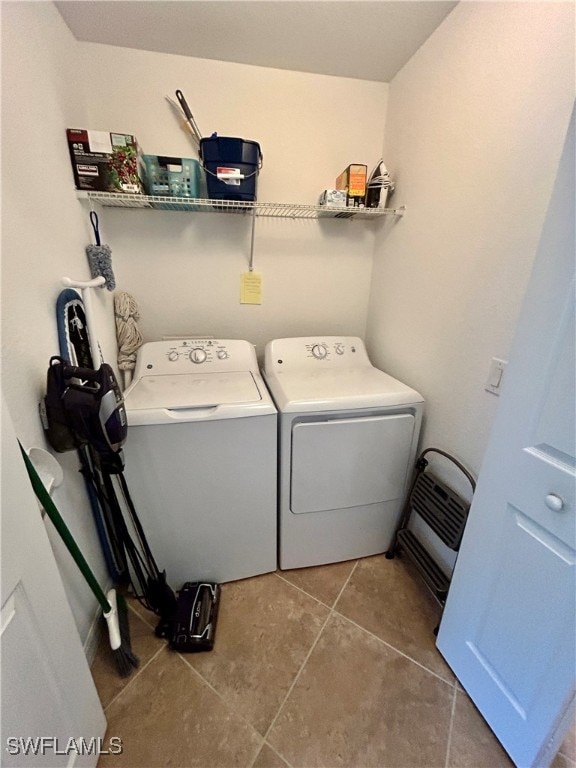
(201, 459)
(348, 435)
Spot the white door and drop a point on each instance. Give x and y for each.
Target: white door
(47, 689)
(509, 627)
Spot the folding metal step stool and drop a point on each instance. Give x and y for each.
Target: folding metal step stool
(444, 511)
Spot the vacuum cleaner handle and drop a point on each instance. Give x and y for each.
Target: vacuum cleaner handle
(85, 286)
(86, 374)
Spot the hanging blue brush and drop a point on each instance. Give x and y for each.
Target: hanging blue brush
(100, 256)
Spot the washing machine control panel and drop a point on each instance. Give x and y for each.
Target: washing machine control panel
(328, 349)
(197, 355)
(315, 352)
(319, 351)
(189, 355)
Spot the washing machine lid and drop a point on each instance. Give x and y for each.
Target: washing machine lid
(338, 389)
(169, 398)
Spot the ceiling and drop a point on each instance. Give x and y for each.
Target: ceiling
(366, 39)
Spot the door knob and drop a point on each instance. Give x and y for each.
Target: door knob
(554, 502)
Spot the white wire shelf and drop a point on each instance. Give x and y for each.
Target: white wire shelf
(274, 210)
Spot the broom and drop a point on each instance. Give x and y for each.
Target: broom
(114, 607)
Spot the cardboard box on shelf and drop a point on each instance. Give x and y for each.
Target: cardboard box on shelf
(353, 180)
(105, 162)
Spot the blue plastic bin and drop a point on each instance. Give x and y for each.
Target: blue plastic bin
(171, 177)
(231, 166)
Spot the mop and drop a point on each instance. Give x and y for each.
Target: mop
(127, 333)
(186, 118)
(113, 605)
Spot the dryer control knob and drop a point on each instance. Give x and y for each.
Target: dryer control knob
(198, 355)
(173, 355)
(221, 354)
(319, 351)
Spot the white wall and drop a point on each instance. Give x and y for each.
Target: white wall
(475, 126)
(184, 269)
(44, 234)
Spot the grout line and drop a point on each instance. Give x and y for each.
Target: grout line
(234, 711)
(289, 765)
(450, 728)
(345, 585)
(135, 677)
(135, 612)
(309, 594)
(297, 677)
(303, 591)
(257, 755)
(393, 648)
(228, 706)
(284, 700)
(331, 612)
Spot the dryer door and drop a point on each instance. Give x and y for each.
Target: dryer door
(346, 463)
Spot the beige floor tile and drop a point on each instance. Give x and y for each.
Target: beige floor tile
(473, 745)
(387, 598)
(147, 616)
(359, 703)
(568, 748)
(169, 717)
(561, 761)
(268, 758)
(323, 582)
(106, 678)
(265, 630)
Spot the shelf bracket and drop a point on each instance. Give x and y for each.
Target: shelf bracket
(252, 232)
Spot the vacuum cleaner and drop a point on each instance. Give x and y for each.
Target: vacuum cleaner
(85, 406)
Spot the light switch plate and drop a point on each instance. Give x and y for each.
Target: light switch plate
(495, 376)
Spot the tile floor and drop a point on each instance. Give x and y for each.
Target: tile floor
(331, 667)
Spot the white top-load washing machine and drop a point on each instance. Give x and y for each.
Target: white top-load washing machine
(201, 459)
(348, 438)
